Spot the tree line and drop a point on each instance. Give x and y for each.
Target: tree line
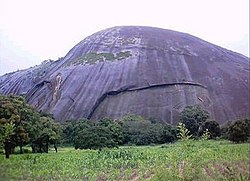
(21, 124)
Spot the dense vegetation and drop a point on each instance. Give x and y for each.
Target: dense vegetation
(21, 125)
(192, 157)
(131, 130)
(239, 131)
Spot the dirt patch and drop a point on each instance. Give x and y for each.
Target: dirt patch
(134, 177)
(102, 178)
(148, 175)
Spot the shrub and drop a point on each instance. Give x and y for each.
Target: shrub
(193, 117)
(84, 134)
(238, 131)
(212, 127)
(138, 131)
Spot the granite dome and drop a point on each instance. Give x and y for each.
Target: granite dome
(145, 71)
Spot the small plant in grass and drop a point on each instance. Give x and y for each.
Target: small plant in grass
(184, 133)
(184, 137)
(205, 135)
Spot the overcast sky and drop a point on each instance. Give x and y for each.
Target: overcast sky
(35, 30)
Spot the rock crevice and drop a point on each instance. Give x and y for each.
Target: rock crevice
(133, 88)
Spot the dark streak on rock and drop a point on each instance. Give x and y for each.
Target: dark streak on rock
(131, 89)
(32, 91)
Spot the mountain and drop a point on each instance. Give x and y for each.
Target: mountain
(145, 71)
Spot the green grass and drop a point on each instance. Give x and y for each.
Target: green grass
(94, 57)
(191, 160)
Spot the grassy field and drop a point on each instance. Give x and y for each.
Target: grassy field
(191, 160)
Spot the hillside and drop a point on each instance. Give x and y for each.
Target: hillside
(145, 71)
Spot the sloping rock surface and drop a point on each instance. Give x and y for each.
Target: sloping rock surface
(137, 70)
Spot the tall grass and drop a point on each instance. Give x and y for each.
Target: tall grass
(189, 160)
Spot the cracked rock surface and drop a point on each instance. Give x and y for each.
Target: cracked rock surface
(145, 71)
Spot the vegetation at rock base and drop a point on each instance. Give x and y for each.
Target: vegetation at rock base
(212, 127)
(193, 117)
(112, 149)
(239, 131)
(138, 131)
(84, 134)
(131, 130)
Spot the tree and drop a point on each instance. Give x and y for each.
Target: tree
(138, 131)
(6, 131)
(238, 131)
(193, 117)
(12, 109)
(169, 134)
(84, 134)
(212, 127)
(95, 137)
(224, 130)
(114, 128)
(132, 117)
(45, 132)
(71, 129)
(28, 125)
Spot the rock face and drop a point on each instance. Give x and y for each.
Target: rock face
(137, 70)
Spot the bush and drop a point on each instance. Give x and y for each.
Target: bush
(193, 117)
(138, 131)
(238, 131)
(213, 128)
(96, 137)
(84, 134)
(224, 130)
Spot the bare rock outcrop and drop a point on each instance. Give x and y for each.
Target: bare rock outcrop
(137, 70)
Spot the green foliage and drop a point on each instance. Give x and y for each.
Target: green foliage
(138, 131)
(123, 55)
(115, 128)
(224, 130)
(96, 137)
(184, 133)
(212, 127)
(84, 134)
(29, 126)
(13, 111)
(170, 134)
(238, 131)
(6, 131)
(94, 57)
(132, 117)
(71, 128)
(132, 130)
(45, 132)
(193, 117)
(206, 135)
(214, 160)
